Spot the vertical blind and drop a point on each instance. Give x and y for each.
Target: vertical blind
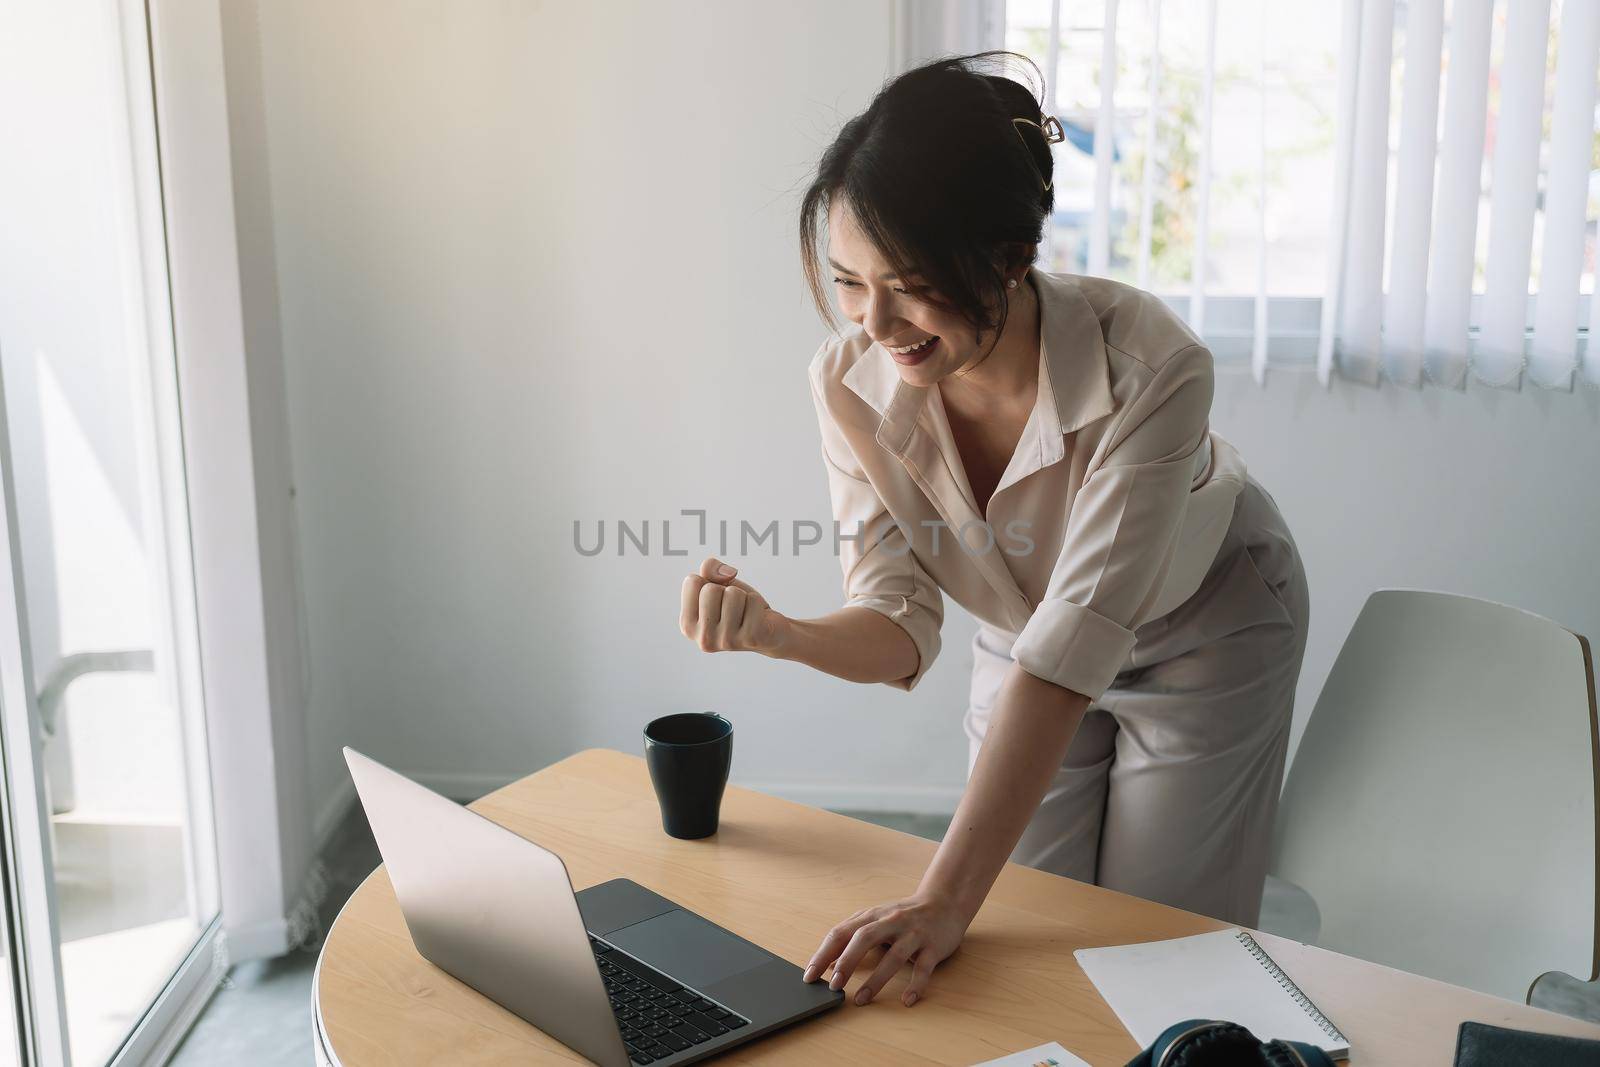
(1411, 161)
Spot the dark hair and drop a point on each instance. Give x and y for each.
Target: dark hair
(942, 182)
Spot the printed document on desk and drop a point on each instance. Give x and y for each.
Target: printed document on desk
(1051, 1055)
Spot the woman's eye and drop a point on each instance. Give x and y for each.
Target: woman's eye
(847, 283)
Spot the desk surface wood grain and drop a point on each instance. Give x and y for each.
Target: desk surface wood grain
(780, 874)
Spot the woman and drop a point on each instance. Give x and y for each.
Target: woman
(1036, 447)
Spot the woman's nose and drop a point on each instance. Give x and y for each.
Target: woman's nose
(879, 318)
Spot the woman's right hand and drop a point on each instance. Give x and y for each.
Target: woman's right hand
(722, 614)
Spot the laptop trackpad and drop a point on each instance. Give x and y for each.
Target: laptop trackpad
(688, 948)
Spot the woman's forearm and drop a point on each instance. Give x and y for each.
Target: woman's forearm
(854, 643)
(1030, 728)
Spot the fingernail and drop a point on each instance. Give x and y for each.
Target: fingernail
(911, 998)
(811, 974)
(862, 997)
(725, 571)
(834, 983)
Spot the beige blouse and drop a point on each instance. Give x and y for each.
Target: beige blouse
(1109, 514)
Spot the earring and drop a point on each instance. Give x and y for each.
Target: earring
(1012, 284)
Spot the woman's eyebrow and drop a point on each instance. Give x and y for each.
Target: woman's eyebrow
(888, 277)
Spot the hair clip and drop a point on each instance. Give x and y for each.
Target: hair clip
(1051, 131)
(1050, 127)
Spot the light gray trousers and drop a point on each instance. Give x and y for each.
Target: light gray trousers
(1169, 788)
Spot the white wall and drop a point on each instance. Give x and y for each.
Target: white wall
(281, 591)
(1485, 492)
(537, 264)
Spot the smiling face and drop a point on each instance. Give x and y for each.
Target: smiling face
(928, 344)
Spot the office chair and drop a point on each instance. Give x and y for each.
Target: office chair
(1440, 812)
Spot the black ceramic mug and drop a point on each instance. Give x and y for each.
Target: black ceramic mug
(689, 755)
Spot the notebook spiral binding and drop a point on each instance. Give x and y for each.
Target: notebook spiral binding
(1323, 1022)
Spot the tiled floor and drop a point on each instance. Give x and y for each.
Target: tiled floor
(262, 1015)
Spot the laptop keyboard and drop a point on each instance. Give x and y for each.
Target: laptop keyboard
(658, 1017)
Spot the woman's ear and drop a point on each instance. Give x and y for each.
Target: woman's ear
(1017, 256)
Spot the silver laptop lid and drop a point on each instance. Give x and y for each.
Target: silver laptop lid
(491, 908)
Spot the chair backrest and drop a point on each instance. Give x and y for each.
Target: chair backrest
(1441, 806)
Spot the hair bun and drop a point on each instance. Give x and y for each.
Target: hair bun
(1018, 101)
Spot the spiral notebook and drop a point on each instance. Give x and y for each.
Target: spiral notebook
(1224, 975)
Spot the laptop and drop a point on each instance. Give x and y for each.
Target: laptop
(616, 973)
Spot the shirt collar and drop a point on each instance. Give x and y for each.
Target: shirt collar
(1073, 367)
(1074, 351)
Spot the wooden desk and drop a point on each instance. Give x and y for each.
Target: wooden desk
(780, 874)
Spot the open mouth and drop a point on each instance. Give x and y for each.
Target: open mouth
(911, 355)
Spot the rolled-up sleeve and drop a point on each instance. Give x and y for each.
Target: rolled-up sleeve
(881, 572)
(1122, 533)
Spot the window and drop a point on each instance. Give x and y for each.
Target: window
(1225, 188)
(108, 810)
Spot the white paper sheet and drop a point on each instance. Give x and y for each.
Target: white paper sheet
(1209, 976)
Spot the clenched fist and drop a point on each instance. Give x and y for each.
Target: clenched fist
(722, 614)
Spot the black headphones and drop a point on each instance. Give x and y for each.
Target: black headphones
(1209, 1043)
